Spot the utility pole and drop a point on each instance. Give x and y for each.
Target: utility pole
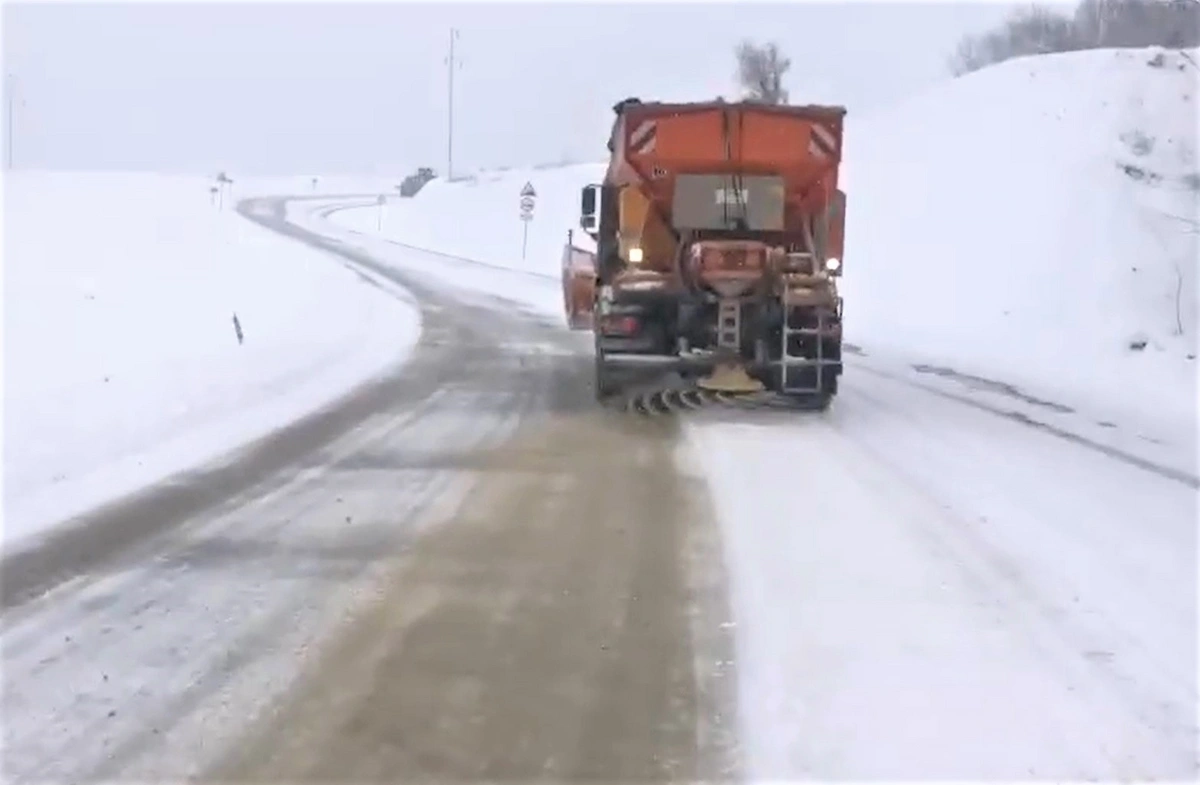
(450, 64)
(10, 88)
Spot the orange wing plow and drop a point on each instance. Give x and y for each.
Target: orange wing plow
(579, 284)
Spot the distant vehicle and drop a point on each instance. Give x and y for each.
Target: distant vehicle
(719, 230)
(415, 182)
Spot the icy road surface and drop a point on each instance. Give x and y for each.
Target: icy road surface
(471, 571)
(433, 580)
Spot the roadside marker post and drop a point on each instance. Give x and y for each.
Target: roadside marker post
(528, 202)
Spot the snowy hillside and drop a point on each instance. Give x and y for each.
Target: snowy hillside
(1037, 221)
(122, 364)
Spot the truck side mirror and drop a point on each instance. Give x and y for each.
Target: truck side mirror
(589, 209)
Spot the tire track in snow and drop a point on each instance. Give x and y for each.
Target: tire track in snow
(1168, 472)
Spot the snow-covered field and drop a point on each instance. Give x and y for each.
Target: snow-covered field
(945, 577)
(122, 365)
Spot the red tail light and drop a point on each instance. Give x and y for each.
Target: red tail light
(619, 325)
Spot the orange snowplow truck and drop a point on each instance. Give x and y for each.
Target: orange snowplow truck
(718, 232)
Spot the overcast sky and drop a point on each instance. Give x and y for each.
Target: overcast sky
(280, 88)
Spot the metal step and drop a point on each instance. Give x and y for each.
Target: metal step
(788, 361)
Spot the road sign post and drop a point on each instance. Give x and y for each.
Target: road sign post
(528, 202)
(381, 201)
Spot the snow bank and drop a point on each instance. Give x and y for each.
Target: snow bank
(1035, 221)
(121, 359)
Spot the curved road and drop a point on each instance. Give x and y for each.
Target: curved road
(461, 571)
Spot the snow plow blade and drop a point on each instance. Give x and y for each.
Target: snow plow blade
(579, 284)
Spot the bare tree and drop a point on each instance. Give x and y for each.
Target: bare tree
(1027, 31)
(1038, 30)
(1094, 24)
(760, 72)
(1092, 20)
(1140, 23)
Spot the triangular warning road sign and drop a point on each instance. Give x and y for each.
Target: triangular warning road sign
(528, 190)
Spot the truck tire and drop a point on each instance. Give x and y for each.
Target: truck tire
(606, 386)
(810, 402)
(821, 401)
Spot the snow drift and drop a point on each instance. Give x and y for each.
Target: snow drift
(1037, 221)
(122, 363)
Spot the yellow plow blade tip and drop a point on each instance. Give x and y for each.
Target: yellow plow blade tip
(730, 379)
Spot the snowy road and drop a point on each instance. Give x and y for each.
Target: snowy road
(474, 572)
(437, 559)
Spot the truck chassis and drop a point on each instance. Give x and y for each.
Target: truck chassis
(732, 345)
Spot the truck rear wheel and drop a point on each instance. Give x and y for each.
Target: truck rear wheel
(821, 401)
(811, 402)
(606, 385)
(817, 401)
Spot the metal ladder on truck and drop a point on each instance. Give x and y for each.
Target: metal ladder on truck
(788, 361)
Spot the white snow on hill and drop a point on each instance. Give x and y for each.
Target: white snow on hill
(1037, 221)
(121, 361)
